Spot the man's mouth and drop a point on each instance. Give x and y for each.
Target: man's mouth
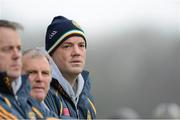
(17, 66)
(38, 89)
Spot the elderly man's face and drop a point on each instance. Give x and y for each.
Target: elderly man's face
(39, 72)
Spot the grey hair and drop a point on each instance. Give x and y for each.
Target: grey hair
(10, 24)
(33, 53)
(36, 53)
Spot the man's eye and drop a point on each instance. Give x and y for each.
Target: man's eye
(82, 45)
(31, 72)
(19, 48)
(46, 73)
(6, 49)
(66, 46)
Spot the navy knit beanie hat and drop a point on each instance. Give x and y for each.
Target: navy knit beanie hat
(59, 30)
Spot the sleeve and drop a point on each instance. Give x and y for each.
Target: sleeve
(8, 113)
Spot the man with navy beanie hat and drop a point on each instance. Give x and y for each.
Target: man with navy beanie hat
(66, 45)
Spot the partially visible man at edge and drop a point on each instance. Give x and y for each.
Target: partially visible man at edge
(66, 44)
(14, 88)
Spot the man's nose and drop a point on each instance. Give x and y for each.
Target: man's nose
(16, 53)
(39, 77)
(76, 50)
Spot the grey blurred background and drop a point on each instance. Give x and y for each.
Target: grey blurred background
(133, 47)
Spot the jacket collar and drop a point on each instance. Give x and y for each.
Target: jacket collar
(19, 87)
(5, 84)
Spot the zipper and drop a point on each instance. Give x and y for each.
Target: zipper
(77, 111)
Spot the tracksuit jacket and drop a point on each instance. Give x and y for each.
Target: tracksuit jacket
(21, 105)
(84, 109)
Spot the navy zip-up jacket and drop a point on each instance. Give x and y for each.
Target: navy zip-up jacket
(21, 105)
(84, 109)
